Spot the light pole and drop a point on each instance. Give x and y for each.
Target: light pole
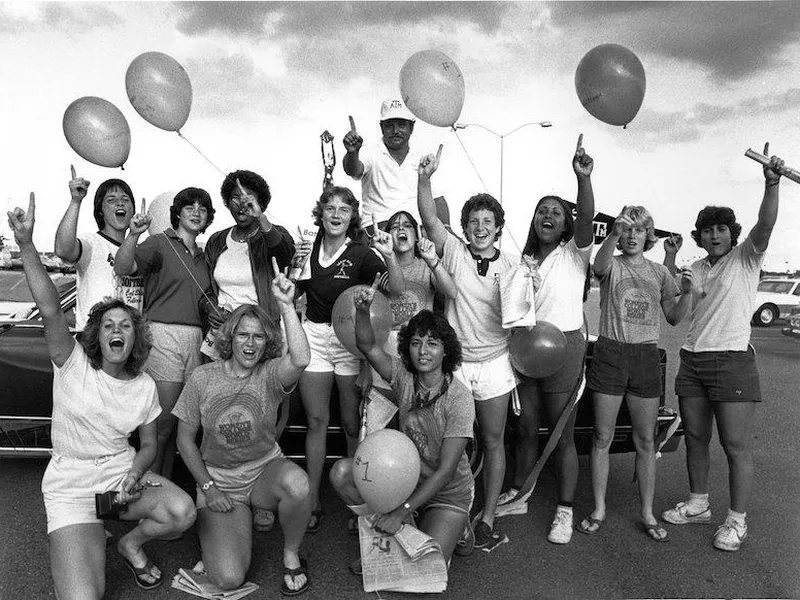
(503, 137)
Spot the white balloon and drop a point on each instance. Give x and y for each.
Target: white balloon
(158, 210)
(432, 87)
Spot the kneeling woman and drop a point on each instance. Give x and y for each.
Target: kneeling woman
(436, 412)
(100, 396)
(239, 463)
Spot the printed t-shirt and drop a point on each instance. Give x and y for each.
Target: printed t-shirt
(630, 300)
(451, 415)
(238, 416)
(96, 278)
(723, 300)
(418, 294)
(559, 300)
(475, 311)
(95, 413)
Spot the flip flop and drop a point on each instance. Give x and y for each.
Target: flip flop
(301, 570)
(656, 532)
(589, 525)
(315, 522)
(139, 572)
(352, 525)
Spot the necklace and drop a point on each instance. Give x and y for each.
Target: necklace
(245, 237)
(424, 396)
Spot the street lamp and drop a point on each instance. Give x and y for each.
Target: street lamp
(503, 137)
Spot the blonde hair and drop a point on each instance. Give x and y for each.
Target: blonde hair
(641, 216)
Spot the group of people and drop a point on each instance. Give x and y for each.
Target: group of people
(173, 340)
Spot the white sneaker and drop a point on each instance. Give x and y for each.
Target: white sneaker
(730, 535)
(686, 512)
(561, 528)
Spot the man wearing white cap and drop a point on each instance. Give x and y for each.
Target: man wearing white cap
(387, 171)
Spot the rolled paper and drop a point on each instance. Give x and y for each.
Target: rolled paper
(787, 172)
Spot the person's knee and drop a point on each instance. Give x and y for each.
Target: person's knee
(316, 423)
(644, 443)
(601, 440)
(350, 425)
(182, 512)
(493, 441)
(341, 473)
(295, 485)
(698, 437)
(227, 579)
(736, 449)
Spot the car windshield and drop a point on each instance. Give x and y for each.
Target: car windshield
(776, 287)
(14, 286)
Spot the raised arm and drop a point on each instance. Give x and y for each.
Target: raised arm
(351, 163)
(676, 310)
(602, 262)
(383, 243)
(443, 282)
(365, 334)
(60, 342)
(768, 212)
(427, 207)
(672, 245)
(298, 355)
(125, 260)
(67, 246)
(583, 164)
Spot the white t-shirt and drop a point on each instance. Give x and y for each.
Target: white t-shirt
(723, 300)
(559, 300)
(475, 312)
(234, 276)
(387, 187)
(96, 278)
(95, 413)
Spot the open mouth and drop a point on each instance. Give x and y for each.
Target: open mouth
(116, 343)
(547, 225)
(120, 213)
(249, 354)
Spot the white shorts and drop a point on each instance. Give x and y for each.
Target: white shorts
(488, 379)
(238, 482)
(69, 486)
(327, 352)
(175, 352)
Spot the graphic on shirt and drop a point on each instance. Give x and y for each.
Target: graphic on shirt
(421, 427)
(409, 303)
(637, 302)
(234, 418)
(342, 265)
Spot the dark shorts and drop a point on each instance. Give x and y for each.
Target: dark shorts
(726, 376)
(618, 368)
(566, 378)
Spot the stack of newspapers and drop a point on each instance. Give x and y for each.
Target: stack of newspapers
(196, 582)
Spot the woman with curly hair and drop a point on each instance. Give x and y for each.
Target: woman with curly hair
(338, 260)
(100, 396)
(240, 464)
(436, 411)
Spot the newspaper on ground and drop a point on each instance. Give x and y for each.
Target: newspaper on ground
(197, 583)
(408, 561)
(517, 297)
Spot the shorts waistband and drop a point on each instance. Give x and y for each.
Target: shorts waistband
(96, 460)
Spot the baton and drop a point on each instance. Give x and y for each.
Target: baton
(787, 172)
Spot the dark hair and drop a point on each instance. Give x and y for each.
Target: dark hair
(346, 195)
(435, 325)
(716, 215)
(252, 181)
(101, 192)
(187, 197)
(396, 217)
(532, 243)
(142, 340)
(484, 202)
(272, 329)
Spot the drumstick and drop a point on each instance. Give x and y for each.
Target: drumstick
(787, 172)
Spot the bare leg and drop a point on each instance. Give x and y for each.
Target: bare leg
(735, 424)
(341, 477)
(315, 390)
(226, 540)
(606, 408)
(78, 561)
(492, 420)
(168, 392)
(445, 526)
(566, 454)
(349, 401)
(697, 417)
(644, 415)
(526, 450)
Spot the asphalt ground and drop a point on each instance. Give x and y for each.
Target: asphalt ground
(618, 562)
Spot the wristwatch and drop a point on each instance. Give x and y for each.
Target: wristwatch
(207, 485)
(407, 507)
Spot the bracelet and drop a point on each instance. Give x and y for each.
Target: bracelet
(438, 262)
(773, 183)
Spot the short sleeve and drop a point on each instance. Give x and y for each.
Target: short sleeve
(187, 408)
(85, 256)
(152, 406)
(148, 255)
(460, 413)
(371, 265)
(367, 158)
(751, 258)
(452, 252)
(669, 287)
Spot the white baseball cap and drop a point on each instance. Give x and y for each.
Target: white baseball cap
(392, 108)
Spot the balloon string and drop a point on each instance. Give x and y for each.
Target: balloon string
(272, 217)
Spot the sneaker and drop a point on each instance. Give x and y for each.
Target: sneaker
(263, 520)
(561, 528)
(686, 512)
(508, 497)
(466, 544)
(488, 539)
(730, 535)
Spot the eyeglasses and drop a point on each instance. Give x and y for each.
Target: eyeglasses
(345, 211)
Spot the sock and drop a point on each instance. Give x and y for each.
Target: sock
(360, 510)
(562, 507)
(698, 500)
(737, 517)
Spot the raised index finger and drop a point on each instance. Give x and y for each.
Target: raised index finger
(766, 149)
(241, 189)
(439, 152)
(580, 143)
(144, 206)
(32, 205)
(275, 268)
(72, 171)
(376, 282)
(352, 124)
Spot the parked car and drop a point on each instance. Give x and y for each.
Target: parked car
(26, 379)
(793, 330)
(775, 299)
(16, 302)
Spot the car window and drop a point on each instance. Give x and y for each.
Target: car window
(777, 287)
(796, 291)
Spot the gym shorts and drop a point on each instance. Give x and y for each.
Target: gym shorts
(723, 376)
(618, 367)
(175, 352)
(488, 379)
(327, 352)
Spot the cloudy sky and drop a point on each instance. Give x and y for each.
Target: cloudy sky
(268, 78)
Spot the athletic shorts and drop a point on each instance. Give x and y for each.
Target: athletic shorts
(566, 378)
(69, 486)
(238, 482)
(725, 376)
(327, 352)
(488, 379)
(175, 352)
(618, 368)
(459, 500)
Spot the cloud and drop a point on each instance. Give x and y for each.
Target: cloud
(60, 17)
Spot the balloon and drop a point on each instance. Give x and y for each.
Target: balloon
(610, 83)
(386, 469)
(432, 87)
(538, 351)
(159, 89)
(343, 318)
(158, 209)
(97, 131)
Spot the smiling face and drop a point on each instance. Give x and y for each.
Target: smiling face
(248, 342)
(117, 336)
(404, 235)
(336, 217)
(427, 353)
(716, 240)
(633, 239)
(193, 218)
(396, 133)
(549, 221)
(117, 209)
(481, 232)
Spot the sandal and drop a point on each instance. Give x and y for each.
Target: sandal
(589, 525)
(656, 532)
(356, 568)
(145, 571)
(301, 570)
(315, 522)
